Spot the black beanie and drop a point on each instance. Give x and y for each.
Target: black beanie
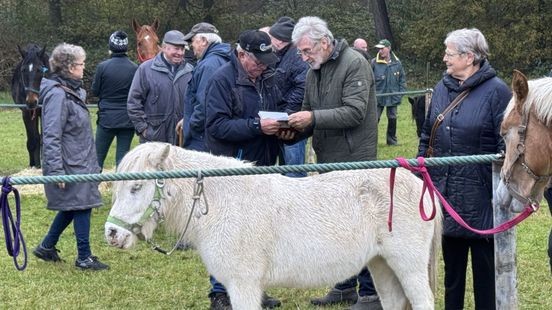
(282, 29)
(118, 42)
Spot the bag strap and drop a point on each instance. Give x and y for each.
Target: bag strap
(72, 92)
(441, 117)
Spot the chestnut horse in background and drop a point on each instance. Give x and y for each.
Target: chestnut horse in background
(25, 86)
(147, 41)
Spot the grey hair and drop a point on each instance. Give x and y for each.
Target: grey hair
(469, 41)
(210, 37)
(64, 56)
(313, 27)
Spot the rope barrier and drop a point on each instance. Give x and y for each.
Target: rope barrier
(392, 163)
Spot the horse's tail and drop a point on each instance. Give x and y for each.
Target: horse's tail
(435, 248)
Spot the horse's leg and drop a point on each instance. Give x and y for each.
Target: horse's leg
(412, 277)
(387, 285)
(33, 137)
(245, 294)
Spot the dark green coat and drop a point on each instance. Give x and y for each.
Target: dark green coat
(342, 96)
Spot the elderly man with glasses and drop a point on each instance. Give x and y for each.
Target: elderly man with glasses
(339, 111)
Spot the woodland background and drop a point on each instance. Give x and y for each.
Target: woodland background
(519, 32)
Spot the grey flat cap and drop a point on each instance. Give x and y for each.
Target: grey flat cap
(174, 37)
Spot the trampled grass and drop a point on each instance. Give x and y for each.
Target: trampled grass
(144, 279)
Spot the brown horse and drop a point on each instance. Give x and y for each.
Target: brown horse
(527, 132)
(147, 41)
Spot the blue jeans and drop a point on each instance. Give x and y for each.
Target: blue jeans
(216, 286)
(81, 225)
(104, 137)
(294, 154)
(365, 283)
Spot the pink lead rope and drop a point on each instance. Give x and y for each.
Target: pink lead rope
(428, 185)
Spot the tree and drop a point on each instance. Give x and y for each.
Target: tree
(381, 20)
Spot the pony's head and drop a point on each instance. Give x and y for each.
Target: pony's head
(527, 132)
(30, 71)
(140, 205)
(147, 41)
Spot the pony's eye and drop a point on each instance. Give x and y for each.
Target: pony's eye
(136, 187)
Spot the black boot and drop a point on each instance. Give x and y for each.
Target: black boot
(336, 296)
(392, 131)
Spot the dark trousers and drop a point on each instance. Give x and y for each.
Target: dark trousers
(104, 137)
(548, 197)
(365, 283)
(216, 286)
(455, 256)
(81, 225)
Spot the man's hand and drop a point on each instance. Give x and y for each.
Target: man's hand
(61, 185)
(179, 125)
(286, 134)
(300, 120)
(269, 126)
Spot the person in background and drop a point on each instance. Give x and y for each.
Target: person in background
(68, 149)
(211, 54)
(339, 111)
(111, 85)
(472, 127)
(390, 78)
(235, 95)
(155, 102)
(290, 75)
(361, 44)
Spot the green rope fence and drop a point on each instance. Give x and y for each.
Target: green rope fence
(437, 161)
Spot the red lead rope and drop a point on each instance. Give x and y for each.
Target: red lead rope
(428, 185)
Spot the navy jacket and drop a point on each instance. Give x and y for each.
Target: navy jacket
(291, 73)
(214, 57)
(232, 123)
(471, 128)
(111, 84)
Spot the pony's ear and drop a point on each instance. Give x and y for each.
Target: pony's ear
(135, 25)
(21, 51)
(520, 88)
(43, 51)
(159, 157)
(155, 24)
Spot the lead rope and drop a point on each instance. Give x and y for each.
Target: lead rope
(197, 194)
(10, 226)
(428, 185)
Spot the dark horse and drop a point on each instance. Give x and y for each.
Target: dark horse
(24, 90)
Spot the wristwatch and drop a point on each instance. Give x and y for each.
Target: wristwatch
(257, 123)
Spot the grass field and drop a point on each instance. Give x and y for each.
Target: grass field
(143, 279)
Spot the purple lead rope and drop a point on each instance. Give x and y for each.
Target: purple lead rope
(12, 227)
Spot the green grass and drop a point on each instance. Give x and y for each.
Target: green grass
(144, 279)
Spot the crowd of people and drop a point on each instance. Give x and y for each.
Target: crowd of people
(326, 88)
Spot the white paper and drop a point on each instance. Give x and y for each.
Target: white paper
(277, 116)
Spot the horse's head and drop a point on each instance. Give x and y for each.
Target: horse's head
(147, 41)
(33, 67)
(138, 205)
(527, 132)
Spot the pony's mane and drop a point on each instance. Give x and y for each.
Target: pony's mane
(142, 157)
(539, 96)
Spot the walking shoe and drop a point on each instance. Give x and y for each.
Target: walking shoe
(335, 296)
(220, 301)
(46, 254)
(270, 302)
(371, 302)
(91, 263)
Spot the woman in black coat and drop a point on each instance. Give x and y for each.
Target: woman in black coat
(471, 128)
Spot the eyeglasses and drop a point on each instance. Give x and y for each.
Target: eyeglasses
(307, 51)
(78, 64)
(450, 55)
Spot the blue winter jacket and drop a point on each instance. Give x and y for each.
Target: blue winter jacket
(291, 73)
(214, 57)
(232, 125)
(471, 128)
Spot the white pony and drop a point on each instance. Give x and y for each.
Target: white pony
(259, 231)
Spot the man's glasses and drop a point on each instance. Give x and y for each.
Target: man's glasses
(449, 55)
(307, 51)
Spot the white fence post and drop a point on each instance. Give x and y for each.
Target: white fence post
(505, 253)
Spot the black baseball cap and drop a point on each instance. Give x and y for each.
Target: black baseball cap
(259, 44)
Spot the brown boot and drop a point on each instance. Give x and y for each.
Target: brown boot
(371, 302)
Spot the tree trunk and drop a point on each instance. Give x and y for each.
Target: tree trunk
(55, 12)
(381, 21)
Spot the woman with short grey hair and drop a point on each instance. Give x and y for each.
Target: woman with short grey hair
(464, 117)
(68, 149)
